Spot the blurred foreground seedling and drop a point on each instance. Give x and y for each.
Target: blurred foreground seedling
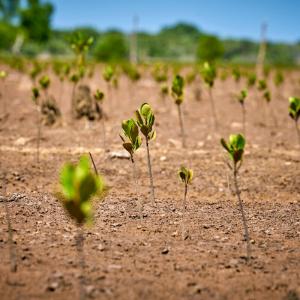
(78, 186)
(235, 149)
(186, 176)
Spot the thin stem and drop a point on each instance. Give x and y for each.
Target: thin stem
(93, 162)
(103, 133)
(241, 206)
(12, 254)
(184, 207)
(73, 100)
(298, 131)
(181, 126)
(150, 172)
(38, 136)
(81, 262)
(212, 103)
(135, 178)
(244, 118)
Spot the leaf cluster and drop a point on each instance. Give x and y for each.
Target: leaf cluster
(177, 89)
(186, 175)
(209, 74)
(131, 139)
(234, 147)
(242, 96)
(44, 82)
(145, 120)
(294, 108)
(78, 185)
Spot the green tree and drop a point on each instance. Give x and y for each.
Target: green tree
(8, 9)
(209, 48)
(111, 47)
(36, 20)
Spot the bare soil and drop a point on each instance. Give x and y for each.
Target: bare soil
(129, 258)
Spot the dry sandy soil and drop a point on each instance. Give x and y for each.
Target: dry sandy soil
(127, 258)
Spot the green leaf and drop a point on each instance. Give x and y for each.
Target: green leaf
(186, 175)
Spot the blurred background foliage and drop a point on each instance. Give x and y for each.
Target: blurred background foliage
(26, 30)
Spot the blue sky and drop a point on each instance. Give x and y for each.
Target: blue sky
(226, 18)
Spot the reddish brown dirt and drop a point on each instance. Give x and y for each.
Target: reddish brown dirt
(130, 259)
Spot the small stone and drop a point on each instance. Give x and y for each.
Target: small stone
(53, 286)
(165, 251)
(163, 158)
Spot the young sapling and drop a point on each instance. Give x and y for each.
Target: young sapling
(44, 84)
(108, 75)
(145, 120)
(177, 93)
(35, 99)
(131, 142)
(78, 186)
(209, 75)
(186, 176)
(235, 148)
(99, 97)
(241, 98)
(294, 113)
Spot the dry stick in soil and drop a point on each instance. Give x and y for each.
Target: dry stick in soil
(177, 93)
(145, 121)
(209, 75)
(12, 250)
(93, 162)
(132, 142)
(235, 149)
(79, 185)
(294, 113)
(186, 176)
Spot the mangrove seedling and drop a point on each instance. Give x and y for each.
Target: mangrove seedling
(78, 186)
(131, 142)
(241, 98)
(235, 148)
(164, 91)
(251, 80)
(99, 97)
(186, 176)
(294, 112)
(236, 73)
(145, 120)
(209, 75)
(177, 93)
(44, 84)
(35, 99)
(81, 44)
(267, 97)
(108, 75)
